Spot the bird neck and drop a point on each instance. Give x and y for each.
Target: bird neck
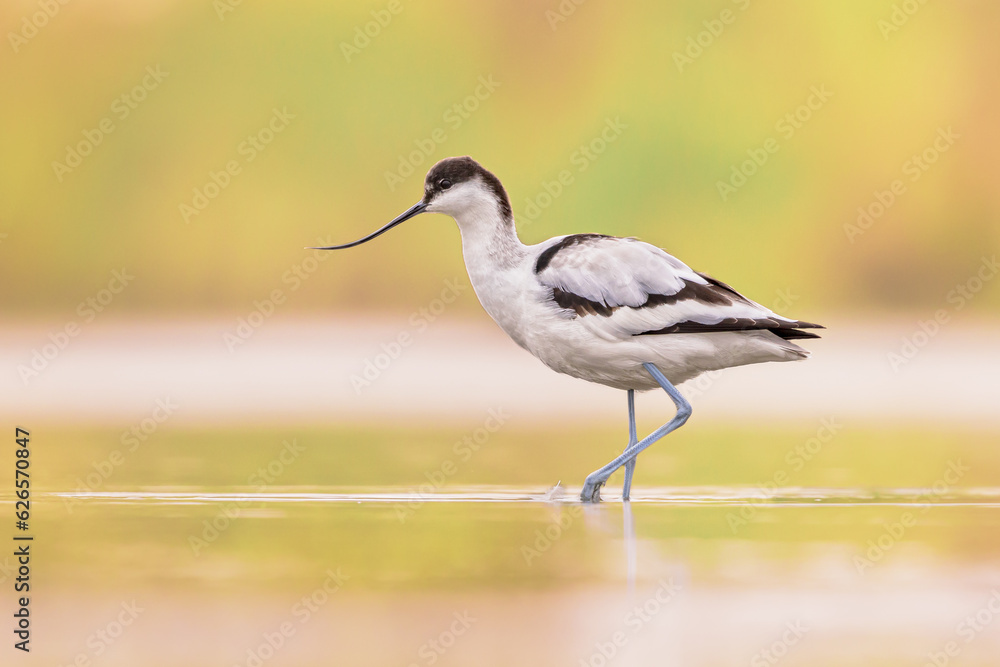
(489, 239)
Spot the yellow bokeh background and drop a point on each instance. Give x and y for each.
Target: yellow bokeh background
(194, 148)
(362, 104)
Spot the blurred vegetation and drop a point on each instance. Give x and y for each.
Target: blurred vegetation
(324, 175)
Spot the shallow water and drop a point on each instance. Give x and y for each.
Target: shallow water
(919, 499)
(516, 576)
(176, 557)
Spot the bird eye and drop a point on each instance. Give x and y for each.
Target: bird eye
(444, 184)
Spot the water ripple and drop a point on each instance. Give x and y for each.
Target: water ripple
(680, 496)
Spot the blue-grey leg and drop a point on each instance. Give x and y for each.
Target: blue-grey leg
(595, 480)
(632, 440)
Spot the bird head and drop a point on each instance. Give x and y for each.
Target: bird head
(456, 186)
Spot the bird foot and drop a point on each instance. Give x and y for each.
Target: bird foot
(591, 490)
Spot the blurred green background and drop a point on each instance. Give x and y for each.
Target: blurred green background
(198, 146)
(362, 104)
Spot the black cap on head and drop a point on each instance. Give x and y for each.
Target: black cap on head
(454, 170)
(443, 176)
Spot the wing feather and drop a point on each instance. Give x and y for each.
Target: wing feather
(622, 287)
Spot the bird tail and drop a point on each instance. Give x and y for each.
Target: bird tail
(792, 348)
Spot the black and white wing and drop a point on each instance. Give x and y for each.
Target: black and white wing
(622, 287)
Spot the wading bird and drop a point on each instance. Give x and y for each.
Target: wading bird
(606, 309)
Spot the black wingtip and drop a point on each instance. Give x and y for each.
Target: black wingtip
(793, 334)
(797, 331)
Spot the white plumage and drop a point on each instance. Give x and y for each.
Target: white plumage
(642, 290)
(606, 337)
(600, 307)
